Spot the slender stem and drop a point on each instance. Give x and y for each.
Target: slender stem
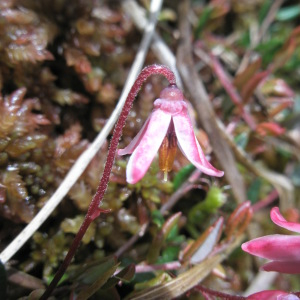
(221, 295)
(94, 210)
(266, 201)
(232, 92)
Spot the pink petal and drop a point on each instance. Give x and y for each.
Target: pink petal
(275, 247)
(272, 295)
(135, 141)
(190, 146)
(288, 267)
(150, 142)
(279, 220)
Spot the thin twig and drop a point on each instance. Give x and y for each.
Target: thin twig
(270, 198)
(218, 294)
(232, 91)
(84, 159)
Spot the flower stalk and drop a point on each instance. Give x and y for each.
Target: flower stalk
(94, 210)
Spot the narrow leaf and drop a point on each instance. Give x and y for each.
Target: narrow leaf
(242, 78)
(208, 245)
(251, 85)
(88, 291)
(288, 13)
(182, 175)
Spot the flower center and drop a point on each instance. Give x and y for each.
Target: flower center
(167, 151)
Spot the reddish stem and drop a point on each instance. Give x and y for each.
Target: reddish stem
(221, 295)
(94, 210)
(232, 91)
(266, 201)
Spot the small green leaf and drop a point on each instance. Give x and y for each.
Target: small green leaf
(182, 175)
(90, 272)
(154, 249)
(264, 10)
(170, 223)
(157, 218)
(169, 254)
(244, 40)
(269, 48)
(205, 16)
(125, 275)
(173, 233)
(242, 139)
(161, 236)
(214, 199)
(156, 281)
(288, 13)
(88, 291)
(254, 190)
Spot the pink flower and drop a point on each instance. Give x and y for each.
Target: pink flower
(168, 124)
(272, 295)
(283, 250)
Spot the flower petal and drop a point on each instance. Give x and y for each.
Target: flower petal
(279, 220)
(150, 142)
(135, 141)
(275, 247)
(288, 267)
(190, 146)
(272, 295)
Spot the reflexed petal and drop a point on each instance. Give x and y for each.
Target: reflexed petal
(190, 146)
(288, 267)
(135, 141)
(275, 247)
(279, 220)
(150, 142)
(272, 295)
